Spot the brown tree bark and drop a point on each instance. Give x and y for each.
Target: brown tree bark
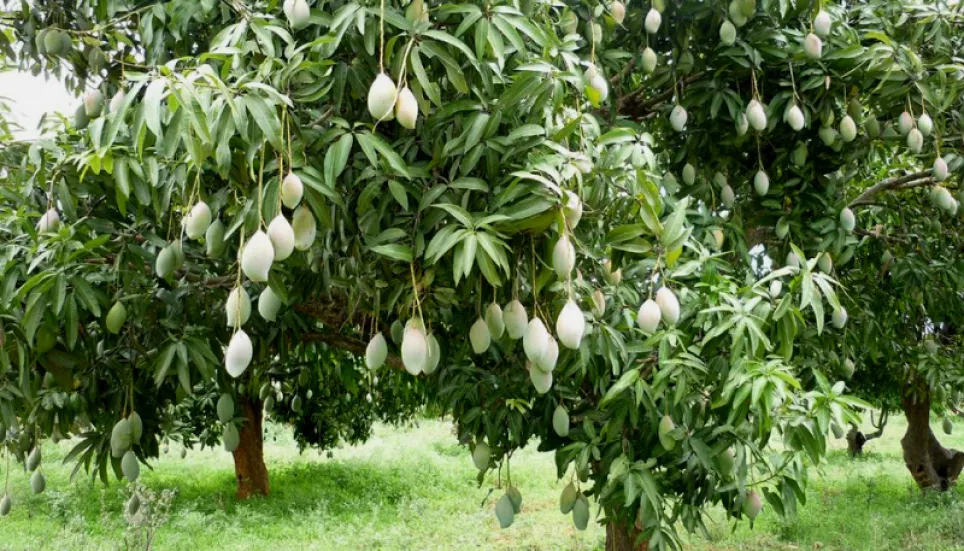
(931, 465)
(249, 467)
(619, 538)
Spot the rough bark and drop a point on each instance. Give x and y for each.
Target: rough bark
(249, 467)
(931, 465)
(619, 538)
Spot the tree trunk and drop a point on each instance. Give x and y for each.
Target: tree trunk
(249, 467)
(857, 439)
(619, 538)
(933, 466)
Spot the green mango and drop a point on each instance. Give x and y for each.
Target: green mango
(560, 421)
(753, 505)
(137, 426)
(568, 498)
(116, 317)
(40, 42)
(504, 511)
(516, 496)
(580, 512)
(130, 467)
(837, 431)
(46, 339)
(726, 462)
(231, 437)
(37, 482)
(481, 455)
(133, 505)
(214, 239)
(225, 408)
(52, 42)
(33, 460)
(120, 438)
(93, 103)
(165, 263)
(80, 118)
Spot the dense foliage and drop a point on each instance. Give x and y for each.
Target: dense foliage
(566, 161)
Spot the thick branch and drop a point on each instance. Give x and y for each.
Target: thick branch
(880, 426)
(333, 314)
(632, 104)
(330, 312)
(623, 72)
(348, 344)
(907, 181)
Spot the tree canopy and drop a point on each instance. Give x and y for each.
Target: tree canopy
(632, 233)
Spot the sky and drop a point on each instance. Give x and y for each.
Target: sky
(30, 97)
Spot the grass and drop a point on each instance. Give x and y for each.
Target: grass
(414, 488)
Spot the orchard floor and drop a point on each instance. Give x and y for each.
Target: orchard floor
(414, 488)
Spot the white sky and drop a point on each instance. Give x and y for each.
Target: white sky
(30, 97)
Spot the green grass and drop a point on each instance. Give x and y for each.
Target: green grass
(414, 488)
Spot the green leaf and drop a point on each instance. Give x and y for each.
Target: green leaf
(395, 251)
(442, 242)
(673, 229)
(625, 232)
(122, 177)
(449, 39)
(398, 192)
(371, 142)
(152, 104)
(183, 369)
(469, 244)
(627, 379)
(266, 118)
(116, 118)
(617, 135)
(487, 268)
(428, 86)
(429, 197)
(458, 213)
(474, 133)
(337, 158)
(163, 365)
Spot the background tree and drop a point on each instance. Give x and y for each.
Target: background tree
(565, 160)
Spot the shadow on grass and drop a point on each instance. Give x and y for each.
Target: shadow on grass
(339, 488)
(843, 458)
(874, 512)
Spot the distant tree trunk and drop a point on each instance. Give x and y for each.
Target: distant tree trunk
(857, 439)
(249, 467)
(931, 465)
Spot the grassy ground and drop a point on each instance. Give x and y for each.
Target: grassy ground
(415, 489)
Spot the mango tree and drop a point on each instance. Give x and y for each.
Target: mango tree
(613, 228)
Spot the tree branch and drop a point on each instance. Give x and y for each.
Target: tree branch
(333, 314)
(349, 344)
(634, 106)
(907, 181)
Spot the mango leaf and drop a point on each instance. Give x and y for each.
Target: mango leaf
(394, 251)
